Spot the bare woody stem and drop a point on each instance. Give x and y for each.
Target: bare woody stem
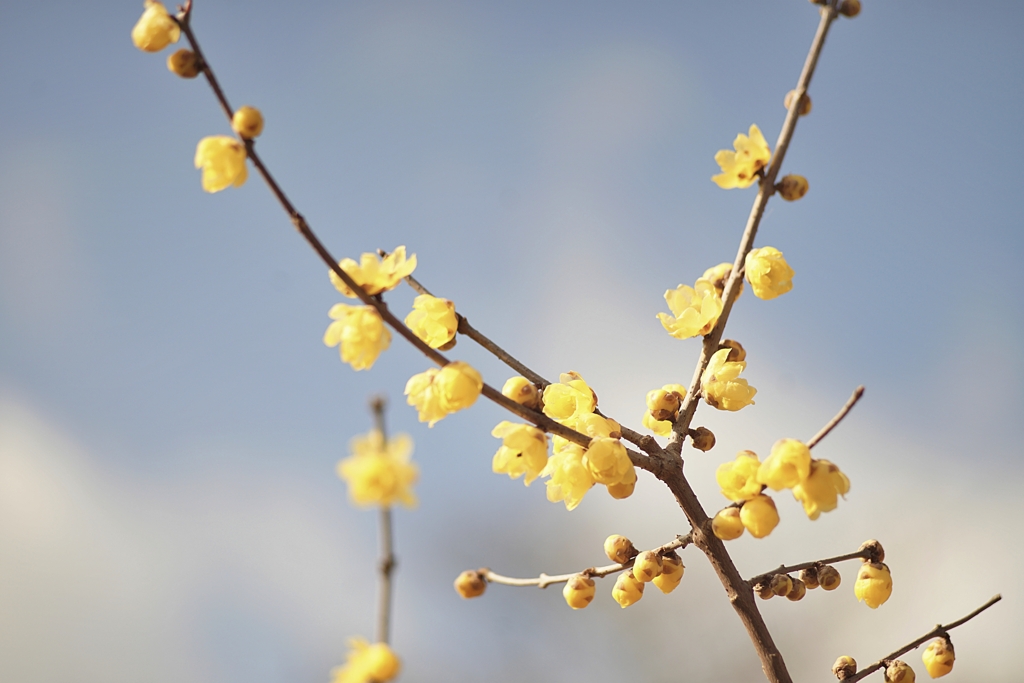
(544, 580)
(938, 631)
(862, 554)
(387, 550)
(857, 393)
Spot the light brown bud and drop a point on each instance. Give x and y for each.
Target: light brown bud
(470, 584)
(619, 549)
(798, 591)
(247, 122)
(646, 566)
(792, 187)
(850, 8)
(810, 577)
(702, 438)
(781, 584)
(184, 63)
(736, 351)
(899, 671)
(805, 104)
(828, 577)
(522, 391)
(845, 667)
(764, 591)
(877, 553)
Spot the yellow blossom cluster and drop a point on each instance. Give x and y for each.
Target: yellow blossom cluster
(440, 392)
(359, 333)
(524, 451)
(433, 320)
(367, 663)
(664, 570)
(373, 274)
(743, 166)
(721, 385)
(663, 408)
(695, 310)
(379, 472)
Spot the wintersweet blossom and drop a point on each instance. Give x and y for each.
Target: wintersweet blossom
(719, 275)
(938, 657)
(721, 385)
(627, 589)
(433, 320)
(367, 663)
(222, 159)
(727, 524)
(440, 392)
(379, 472)
(359, 333)
(522, 391)
(524, 451)
(569, 476)
(740, 168)
(579, 591)
(759, 515)
(874, 584)
(662, 407)
(373, 274)
(155, 29)
(671, 573)
(738, 479)
(247, 122)
(768, 273)
(566, 401)
(695, 310)
(608, 462)
(788, 464)
(821, 490)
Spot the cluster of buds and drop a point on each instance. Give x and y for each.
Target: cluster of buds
(785, 586)
(663, 569)
(938, 660)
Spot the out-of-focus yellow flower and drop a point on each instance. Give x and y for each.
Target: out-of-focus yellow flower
(671, 573)
(470, 584)
(738, 479)
(608, 462)
(721, 386)
(155, 29)
(579, 591)
(740, 168)
(718, 276)
(569, 477)
(360, 332)
(247, 122)
(183, 63)
(379, 473)
(436, 393)
(524, 451)
(433, 320)
(768, 273)
(367, 663)
(787, 465)
(938, 657)
(627, 589)
(759, 515)
(222, 159)
(695, 309)
(874, 584)
(522, 391)
(566, 401)
(821, 490)
(373, 274)
(727, 524)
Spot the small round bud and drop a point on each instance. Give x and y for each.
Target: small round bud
(781, 584)
(579, 591)
(792, 187)
(184, 63)
(736, 351)
(247, 122)
(470, 584)
(845, 667)
(798, 591)
(809, 577)
(850, 8)
(663, 404)
(874, 584)
(621, 490)
(875, 551)
(828, 577)
(702, 438)
(671, 573)
(522, 391)
(627, 589)
(646, 566)
(805, 104)
(727, 524)
(938, 657)
(764, 591)
(619, 549)
(899, 671)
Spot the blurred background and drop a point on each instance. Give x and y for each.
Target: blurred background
(170, 420)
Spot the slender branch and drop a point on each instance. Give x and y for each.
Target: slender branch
(936, 632)
(857, 393)
(544, 580)
(862, 554)
(387, 551)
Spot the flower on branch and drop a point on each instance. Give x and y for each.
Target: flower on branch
(820, 491)
(719, 276)
(938, 657)
(759, 515)
(570, 478)
(728, 524)
(222, 159)
(524, 451)
(155, 29)
(874, 584)
(741, 168)
(568, 400)
(247, 122)
(433, 320)
(721, 386)
(738, 479)
(440, 392)
(671, 573)
(359, 333)
(522, 391)
(663, 407)
(627, 589)
(579, 591)
(768, 273)
(788, 464)
(379, 472)
(609, 463)
(367, 663)
(373, 274)
(695, 309)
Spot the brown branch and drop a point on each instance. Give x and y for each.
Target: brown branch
(862, 554)
(544, 580)
(938, 631)
(387, 552)
(857, 393)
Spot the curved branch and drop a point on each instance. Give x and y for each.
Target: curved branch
(857, 393)
(862, 554)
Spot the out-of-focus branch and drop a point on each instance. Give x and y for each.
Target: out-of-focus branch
(862, 554)
(387, 552)
(857, 393)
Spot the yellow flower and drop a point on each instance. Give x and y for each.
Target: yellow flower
(360, 332)
(646, 566)
(768, 273)
(247, 122)
(821, 490)
(183, 63)
(874, 584)
(719, 275)
(379, 473)
(671, 573)
(524, 450)
(696, 309)
(579, 591)
(522, 391)
(787, 465)
(608, 462)
(759, 515)
(740, 168)
(738, 479)
(566, 401)
(433, 320)
(727, 524)
(627, 589)
(222, 159)
(436, 393)
(372, 274)
(367, 663)
(721, 386)
(569, 477)
(938, 657)
(155, 29)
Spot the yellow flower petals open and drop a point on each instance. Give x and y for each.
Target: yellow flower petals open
(740, 168)
(379, 473)
(373, 274)
(222, 159)
(155, 29)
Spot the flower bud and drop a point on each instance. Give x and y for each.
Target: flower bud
(619, 549)
(850, 8)
(845, 667)
(781, 584)
(579, 591)
(759, 515)
(798, 591)
(671, 573)
(938, 657)
(899, 671)
(874, 584)
(736, 351)
(627, 589)
(805, 105)
(470, 584)
(662, 404)
(247, 122)
(184, 63)
(522, 391)
(702, 438)
(875, 550)
(829, 578)
(646, 566)
(809, 577)
(727, 524)
(792, 187)
(764, 591)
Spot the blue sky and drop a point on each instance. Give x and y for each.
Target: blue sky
(170, 420)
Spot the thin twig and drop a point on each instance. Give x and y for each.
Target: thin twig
(936, 632)
(857, 393)
(387, 550)
(544, 580)
(862, 554)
